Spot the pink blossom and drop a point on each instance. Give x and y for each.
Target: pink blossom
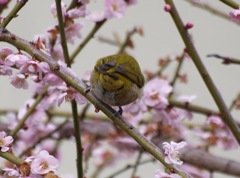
(235, 15)
(16, 59)
(72, 31)
(170, 122)
(77, 12)
(43, 163)
(171, 152)
(19, 81)
(215, 121)
(4, 52)
(96, 16)
(51, 79)
(5, 141)
(160, 174)
(220, 134)
(11, 172)
(5, 70)
(62, 92)
(135, 107)
(41, 42)
(35, 69)
(155, 93)
(115, 8)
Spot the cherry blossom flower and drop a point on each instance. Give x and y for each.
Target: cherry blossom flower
(135, 107)
(5, 141)
(5, 70)
(43, 163)
(215, 121)
(16, 59)
(235, 15)
(155, 93)
(160, 174)
(11, 172)
(115, 8)
(4, 52)
(72, 31)
(171, 152)
(96, 16)
(78, 12)
(41, 42)
(35, 68)
(220, 135)
(62, 92)
(19, 81)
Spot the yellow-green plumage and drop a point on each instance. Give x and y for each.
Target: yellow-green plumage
(117, 80)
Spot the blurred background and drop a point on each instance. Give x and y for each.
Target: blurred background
(211, 34)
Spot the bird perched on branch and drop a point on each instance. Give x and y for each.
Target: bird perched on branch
(117, 80)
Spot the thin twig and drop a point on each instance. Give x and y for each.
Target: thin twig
(126, 42)
(226, 60)
(137, 163)
(13, 12)
(177, 71)
(192, 107)
(210, 9)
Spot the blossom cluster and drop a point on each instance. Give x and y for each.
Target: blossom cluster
(35, 166)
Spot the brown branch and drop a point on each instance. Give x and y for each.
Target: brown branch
(210, 162)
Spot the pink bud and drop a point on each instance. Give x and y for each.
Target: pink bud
(189, 25)
(167, 8)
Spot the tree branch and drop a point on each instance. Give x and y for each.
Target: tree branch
(210, 162)
(13, 12)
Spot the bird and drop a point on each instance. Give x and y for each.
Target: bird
(117, 80)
